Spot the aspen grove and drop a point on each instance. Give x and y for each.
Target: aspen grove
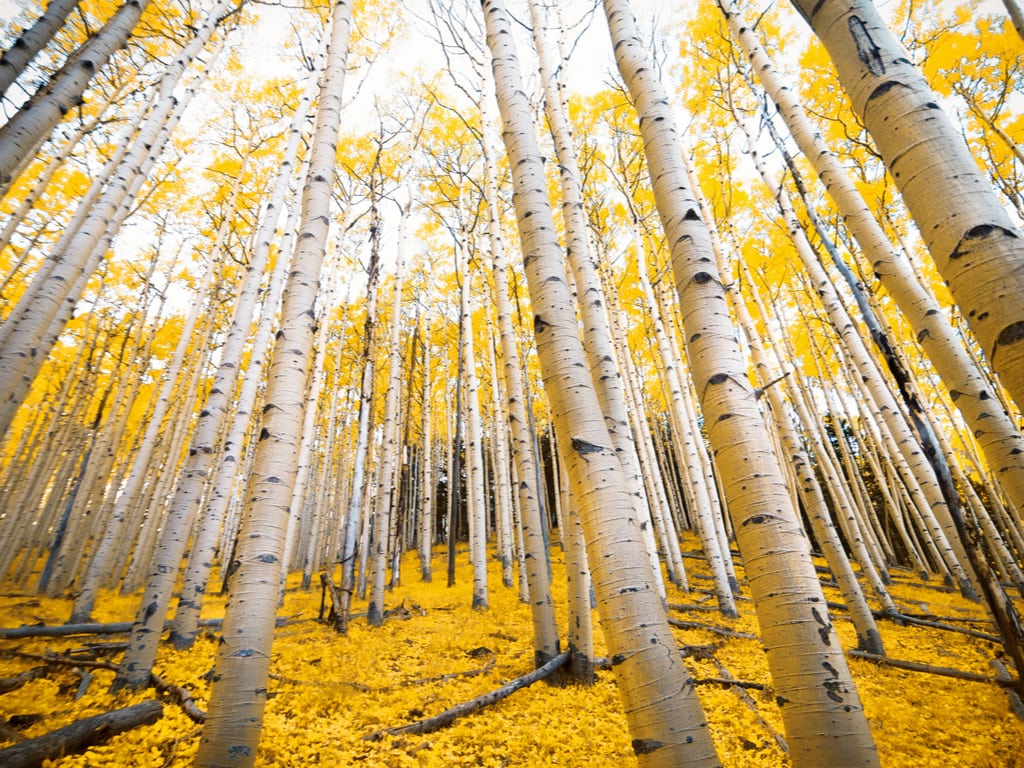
(511, 383)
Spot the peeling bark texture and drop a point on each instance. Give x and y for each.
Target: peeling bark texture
(824, 719)
(657, 691)
(976, 247)
(239, 691)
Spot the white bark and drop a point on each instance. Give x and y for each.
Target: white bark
(825, 723)
(978, 250)
(239, 691)
(32, 41)
(666, 721)
(967, 384)
(35, 119)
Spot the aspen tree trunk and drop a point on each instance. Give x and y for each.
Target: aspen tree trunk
(37, 117)
(477, 511)
(528, 489)
(387, 489)
(1016, 14)
(55, 163)
(811, 493)
(666, 720)
(176, 527)
(686, 438)
(56, 287)
(978, 250)
(499, 442)
(967, 384)
(99, 567)
(354, 515)
(825, 723)
(427, 467)
(32, 41)
(200, 563)
(239, 691)
(597, 338)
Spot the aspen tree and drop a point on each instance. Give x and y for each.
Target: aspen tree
(239, 691)
(475, 506)
(1016, 13)
(37, 117)
(967, 384)
(665, 719)
(426, 500)
(387, 490)
(23, 352)
(100, 564)
(30, 42)
(976, 247)
(200, 561)
(597, 338)
(499, 444)
(528, 488)
(825, 723)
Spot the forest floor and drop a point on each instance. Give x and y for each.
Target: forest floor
(328, 692)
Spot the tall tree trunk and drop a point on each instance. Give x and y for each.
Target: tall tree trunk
(528, 489)
(825, 723)
(37, 117)
(977, 248)
(387, 488)
(239, 691)
(32, 41)
(968, 385)
(666, 721)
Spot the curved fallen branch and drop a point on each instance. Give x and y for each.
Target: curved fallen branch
(431, 724)
(913, 666)
(80, 735)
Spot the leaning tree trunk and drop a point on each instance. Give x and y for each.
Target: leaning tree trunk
(32, 41)
(239, 691)
(968, 385)
(825, 722)
(665, 718)
(538, 579)
(28, 336)
(977, 248)
(38, 116)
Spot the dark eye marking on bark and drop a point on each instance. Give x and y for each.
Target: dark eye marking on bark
(825, 627)
(582, 447)
(867, 51)
(646, 746)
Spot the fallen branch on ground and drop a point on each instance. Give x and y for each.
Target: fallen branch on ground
(8, 684)
(176, 693)
(452, 675)
(431, 724)
(723, 631)
(119, 627)
(737, 687)
(914, 666)
(685, 607)
(79, 735)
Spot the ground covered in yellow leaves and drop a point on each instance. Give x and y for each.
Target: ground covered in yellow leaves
(328, 692)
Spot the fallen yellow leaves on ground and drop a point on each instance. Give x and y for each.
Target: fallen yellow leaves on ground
(327, 691)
